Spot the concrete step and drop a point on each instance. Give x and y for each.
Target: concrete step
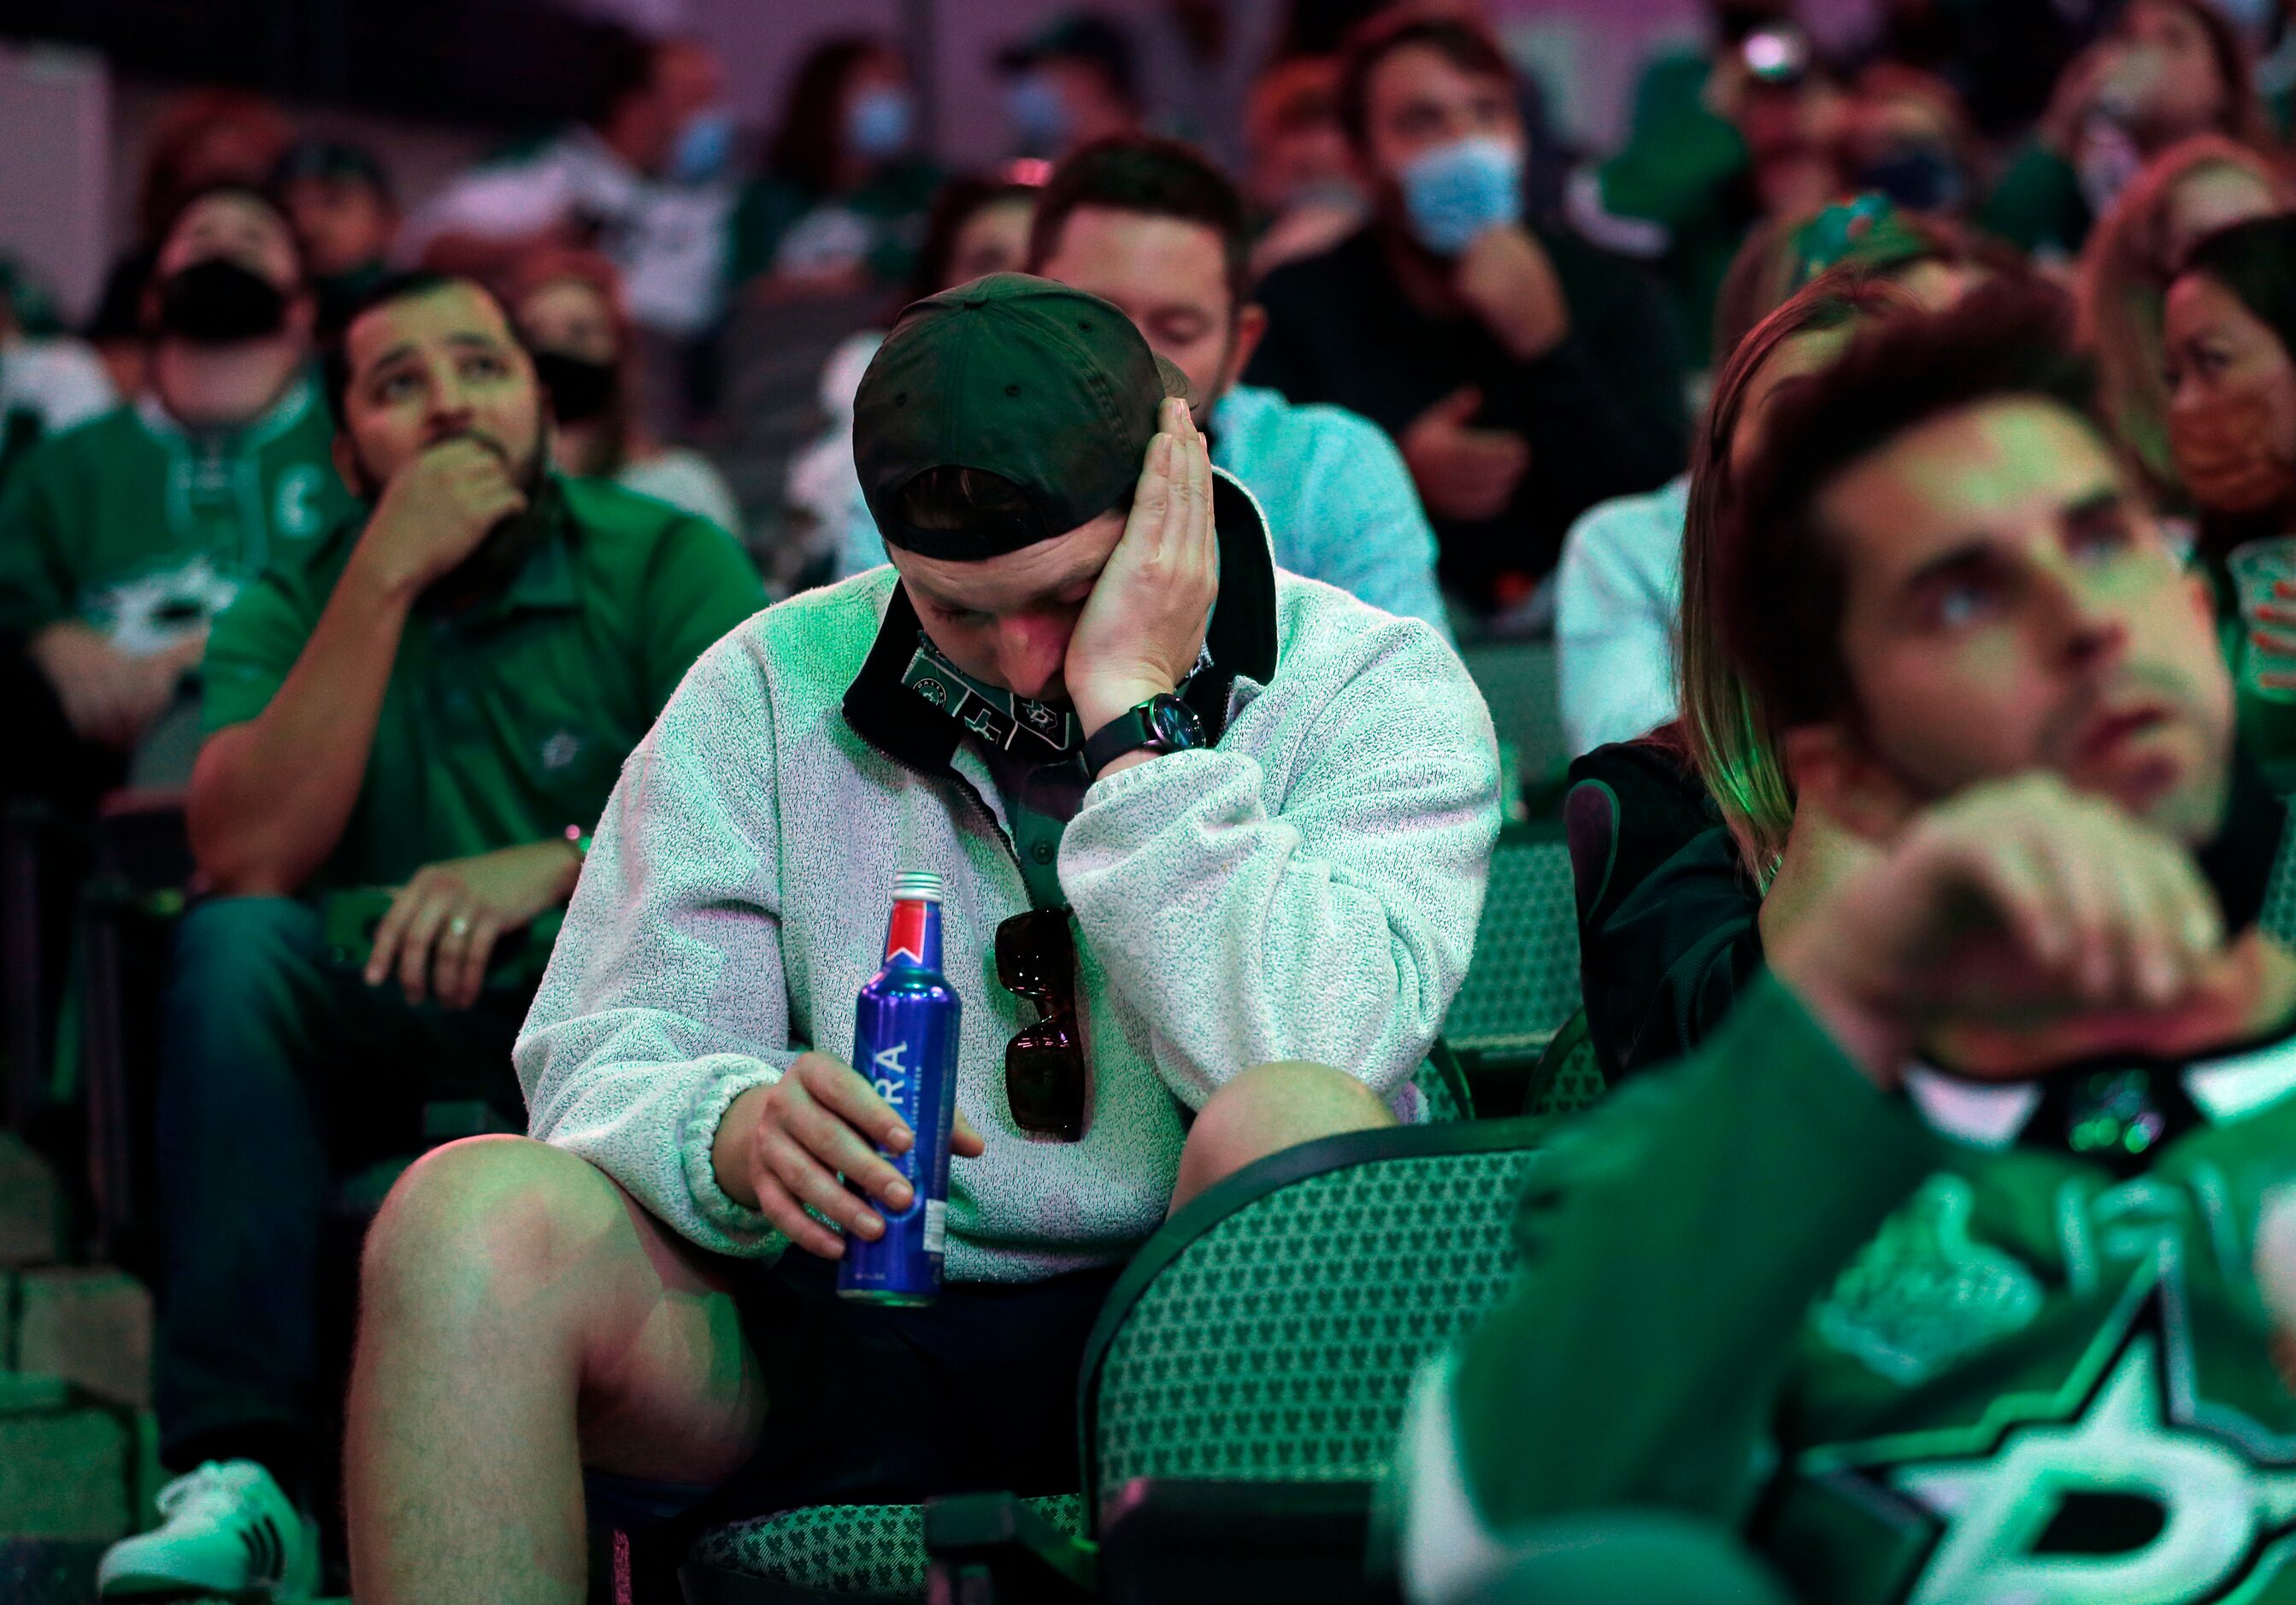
(31, 1206)
(89, 1326)
(49, 1571)
(72, 1469)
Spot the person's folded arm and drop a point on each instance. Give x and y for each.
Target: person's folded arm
(1334, 926)
(1671, 1247)
(665, 999)
(276, 783)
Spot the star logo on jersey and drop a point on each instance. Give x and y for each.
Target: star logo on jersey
(2124, 1488)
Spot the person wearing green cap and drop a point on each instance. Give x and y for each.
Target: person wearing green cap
(122, 539)
(1230, 828)
(412, 737)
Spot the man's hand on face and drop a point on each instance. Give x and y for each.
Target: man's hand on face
(782, 1147)
(1463, 472)
(435, 511)
(1144, 624)
(2019, 907)
(1507, 280)
(442, 927)
(112, 697)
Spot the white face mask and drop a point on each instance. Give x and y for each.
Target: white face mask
(1454, 192)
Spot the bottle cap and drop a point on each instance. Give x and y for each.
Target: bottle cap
(916, 886)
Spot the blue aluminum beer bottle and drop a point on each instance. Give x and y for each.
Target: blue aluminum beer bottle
(905, 1043)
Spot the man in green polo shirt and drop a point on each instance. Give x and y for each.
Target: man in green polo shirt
(120, 540)
(440, 703)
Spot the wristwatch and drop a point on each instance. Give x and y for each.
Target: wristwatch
(1163, 724)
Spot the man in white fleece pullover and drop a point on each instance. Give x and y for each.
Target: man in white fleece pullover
(1265, 809)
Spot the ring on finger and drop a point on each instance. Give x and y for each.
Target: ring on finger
(459, 926)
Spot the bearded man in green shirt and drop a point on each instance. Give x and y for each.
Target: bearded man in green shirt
(121, 540)
(1958, 1266)
(436, 704)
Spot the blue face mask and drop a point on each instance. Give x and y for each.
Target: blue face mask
(704, 147)
(1038, 113)
(1454, 192)
(878, 122)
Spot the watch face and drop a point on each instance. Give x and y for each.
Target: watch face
(1174, 725)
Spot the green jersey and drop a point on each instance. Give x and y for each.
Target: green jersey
(145, 530)
(1977, 1343)
(508, 721)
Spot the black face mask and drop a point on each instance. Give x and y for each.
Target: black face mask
(580, 389)
(218, 302)
(1920, 178)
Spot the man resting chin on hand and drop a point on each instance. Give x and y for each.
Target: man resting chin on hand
(403, 734)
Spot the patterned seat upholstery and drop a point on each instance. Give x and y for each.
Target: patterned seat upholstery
(1523, 983)
(1267, 1332)
(1517, 679)
(847, 1551)
(2279, 917)
(1568, 1079)
(1277, 1342)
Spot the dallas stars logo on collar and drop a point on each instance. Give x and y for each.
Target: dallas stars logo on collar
(2124, 1488)
(995, 714)
(990, 712)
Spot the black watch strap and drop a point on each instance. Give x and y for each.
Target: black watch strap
(1163, 724)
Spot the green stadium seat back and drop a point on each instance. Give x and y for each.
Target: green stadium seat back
(1522, 982)
(1568, 1079)
(1268, 1331)
(1443, 1094)
(2279, 917)
(1276, 1341)
(1518, 682)
(847, 1551)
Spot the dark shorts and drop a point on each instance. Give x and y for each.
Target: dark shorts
(868, 1404)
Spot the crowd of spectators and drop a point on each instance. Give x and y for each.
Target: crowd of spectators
(1892, 441)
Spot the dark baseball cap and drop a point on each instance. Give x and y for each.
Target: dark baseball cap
(1017, 376)
(334, 160)
(1079, 36)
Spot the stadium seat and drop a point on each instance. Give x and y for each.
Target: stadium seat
(1523, 983)
(1245, 1383)
(1517, 678)
(2279, 916)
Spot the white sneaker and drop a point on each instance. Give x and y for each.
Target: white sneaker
(225, 1528)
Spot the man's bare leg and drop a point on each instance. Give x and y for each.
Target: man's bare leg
(1268, 1107)
(520, 1316)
